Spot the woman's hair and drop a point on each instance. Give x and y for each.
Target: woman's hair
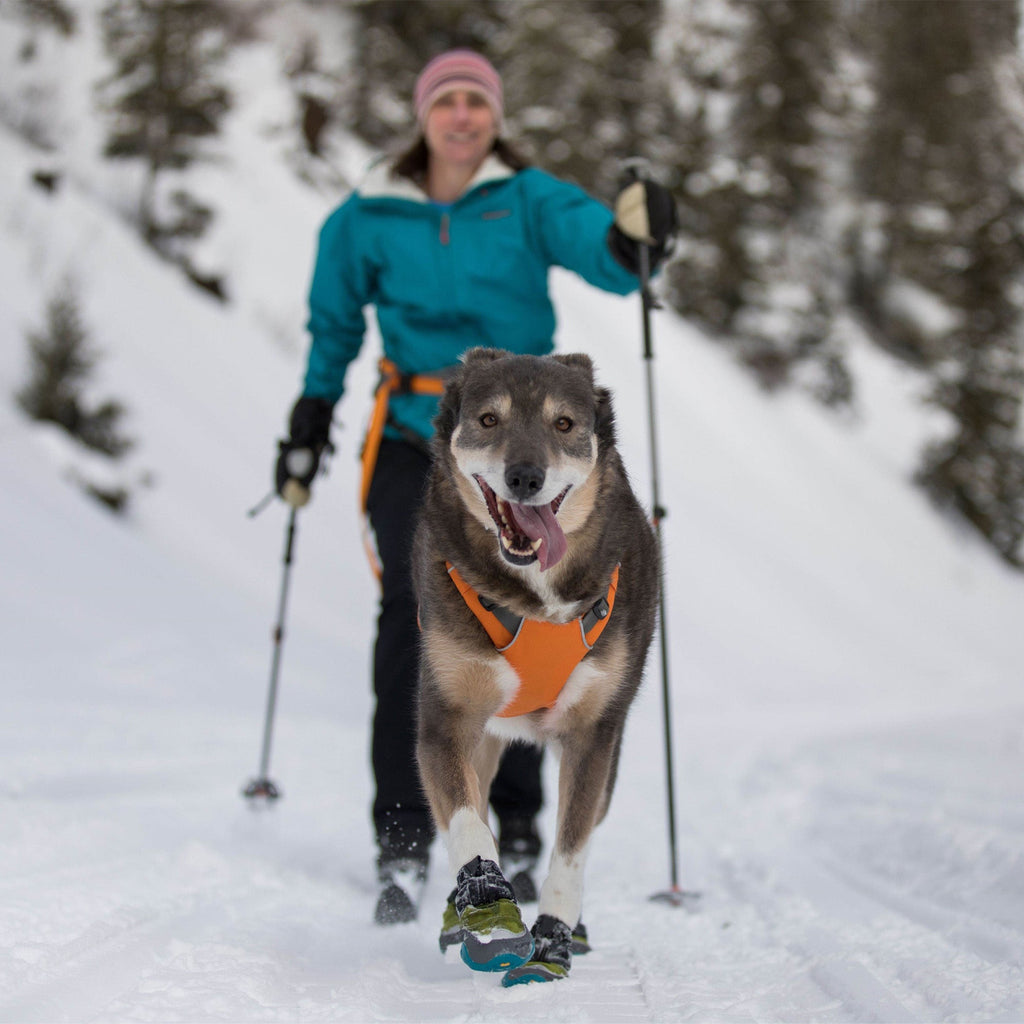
(412, 162)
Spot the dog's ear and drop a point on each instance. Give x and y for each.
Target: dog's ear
(483, 355)
(447, 416)
(604, 418)
(579, 359)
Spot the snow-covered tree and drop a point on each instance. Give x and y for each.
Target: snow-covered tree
(164, 96)
(587, 88)
(62, 360)
(942, 170)
(758, 260)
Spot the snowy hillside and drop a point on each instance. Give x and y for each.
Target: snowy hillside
(846, 666)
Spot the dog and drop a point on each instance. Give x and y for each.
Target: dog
(536, 572)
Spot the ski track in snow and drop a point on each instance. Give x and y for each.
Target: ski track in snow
(837, 886)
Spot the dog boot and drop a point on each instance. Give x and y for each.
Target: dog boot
(451, 926)
(552, 954)
(580, 942)
(519, 848)
(494, 937)
(402, 880)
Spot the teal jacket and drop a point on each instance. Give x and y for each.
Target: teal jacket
(444, 279)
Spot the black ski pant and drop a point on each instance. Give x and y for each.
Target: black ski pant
(401, 816)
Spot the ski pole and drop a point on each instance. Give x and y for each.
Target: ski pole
(262, 786)
(674, 896)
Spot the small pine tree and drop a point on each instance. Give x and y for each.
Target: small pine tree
(61, 362)
(163, 94)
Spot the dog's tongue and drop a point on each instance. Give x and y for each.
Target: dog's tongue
(539, 522)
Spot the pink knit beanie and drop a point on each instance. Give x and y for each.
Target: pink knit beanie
(458, 69)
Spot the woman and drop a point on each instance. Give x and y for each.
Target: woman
(452, 243)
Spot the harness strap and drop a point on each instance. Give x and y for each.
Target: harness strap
(542, 654)
(392, 381)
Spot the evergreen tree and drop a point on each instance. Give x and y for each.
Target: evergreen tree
(164, 95)
(61, 362)
(941, 168)
(759, 262)
(587, 89)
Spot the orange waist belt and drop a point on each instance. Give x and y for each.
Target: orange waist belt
(392, 381)
(542, 654)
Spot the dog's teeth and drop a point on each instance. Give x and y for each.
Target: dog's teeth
(535, 546)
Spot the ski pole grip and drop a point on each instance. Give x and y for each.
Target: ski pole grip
(295, 494)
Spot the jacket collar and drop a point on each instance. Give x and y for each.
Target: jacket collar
(380, 183)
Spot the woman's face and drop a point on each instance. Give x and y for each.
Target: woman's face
(460, 129)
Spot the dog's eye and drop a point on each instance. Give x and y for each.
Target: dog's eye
(488, 420)
(563, 424)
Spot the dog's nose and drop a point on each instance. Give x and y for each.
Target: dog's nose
(524, 480)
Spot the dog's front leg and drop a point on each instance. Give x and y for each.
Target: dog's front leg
(447, 744)
(585, 771)
(457, 761)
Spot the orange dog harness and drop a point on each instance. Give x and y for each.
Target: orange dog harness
(392, 381)
(542, 654)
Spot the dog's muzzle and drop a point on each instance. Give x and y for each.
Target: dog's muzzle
(527, 533)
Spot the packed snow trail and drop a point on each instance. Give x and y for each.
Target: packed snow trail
(848, 717)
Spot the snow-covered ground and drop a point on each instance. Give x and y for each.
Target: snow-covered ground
(846, 666)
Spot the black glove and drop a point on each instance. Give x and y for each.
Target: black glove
(645, 214)
(299, 456)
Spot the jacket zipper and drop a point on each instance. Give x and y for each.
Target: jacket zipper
(445, 234)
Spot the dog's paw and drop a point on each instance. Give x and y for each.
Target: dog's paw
(580, 940)
(494, 937)
(451, 926)
(535, 970)
(552, 957)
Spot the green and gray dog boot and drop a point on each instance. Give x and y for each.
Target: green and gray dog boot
(451, 926)
(552, 955)
(580, 939)
(494, 937)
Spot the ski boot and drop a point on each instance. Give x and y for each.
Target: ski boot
(493, 935)
(402, 880)
(552, 954)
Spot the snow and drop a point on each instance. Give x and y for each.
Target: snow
(845, 669)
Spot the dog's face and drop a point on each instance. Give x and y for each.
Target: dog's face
(524, 434)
